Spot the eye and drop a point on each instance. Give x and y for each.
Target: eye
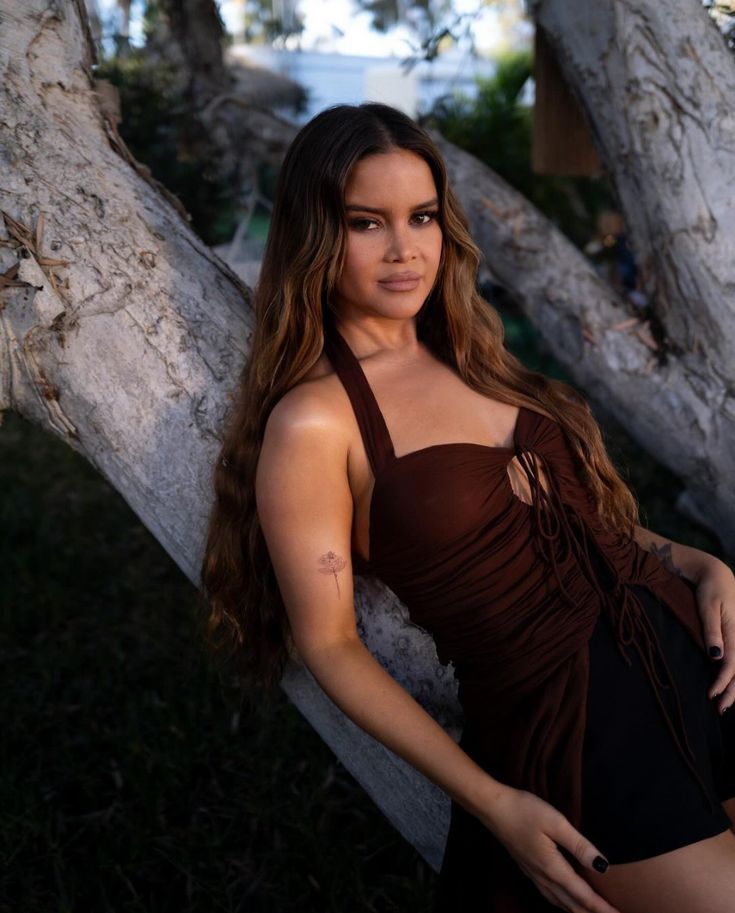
(426, 218)
(362, 224)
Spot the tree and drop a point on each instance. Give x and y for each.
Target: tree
(653, 81)
(205, 116)
(123, 334)
(271, 20)
(496, 127)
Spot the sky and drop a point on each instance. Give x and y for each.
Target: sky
(336, 25)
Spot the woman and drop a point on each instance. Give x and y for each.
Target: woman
(382, 425)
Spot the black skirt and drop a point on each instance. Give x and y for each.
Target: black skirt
(639, 798)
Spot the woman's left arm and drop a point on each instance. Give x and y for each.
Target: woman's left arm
(715, 583)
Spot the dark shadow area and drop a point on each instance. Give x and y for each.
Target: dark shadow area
(133, 779)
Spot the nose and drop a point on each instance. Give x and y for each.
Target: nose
(401, 244)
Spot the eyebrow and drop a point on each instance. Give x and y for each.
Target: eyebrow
(355, 206)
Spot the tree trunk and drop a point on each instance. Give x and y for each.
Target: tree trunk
(123, 334)
(656, 82)
(674, 405)
(219, 99)
(95, 26)
(122, 31)
(197, 30)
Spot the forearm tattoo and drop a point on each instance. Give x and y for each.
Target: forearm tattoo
(332, 564)
(663, 552)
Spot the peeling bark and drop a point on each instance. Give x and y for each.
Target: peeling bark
(656, 82)
(130, 351)
(671, 402)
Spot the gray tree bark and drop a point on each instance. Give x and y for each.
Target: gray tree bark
(671, 402)
(656, 82)
(123, 334)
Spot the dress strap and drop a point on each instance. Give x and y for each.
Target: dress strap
(374, 431)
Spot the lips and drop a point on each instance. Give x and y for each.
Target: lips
(401, 282)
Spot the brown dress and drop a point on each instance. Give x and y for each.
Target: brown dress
(511, 593)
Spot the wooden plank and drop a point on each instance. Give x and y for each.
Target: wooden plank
(561, 140)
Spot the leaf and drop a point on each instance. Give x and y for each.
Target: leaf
(624, 324)
(644, 334)
(8, 279)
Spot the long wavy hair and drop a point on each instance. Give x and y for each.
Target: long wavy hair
(302, 260)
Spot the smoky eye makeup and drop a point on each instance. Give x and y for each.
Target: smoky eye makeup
(432, 213)
(363, 223)
(360, 224)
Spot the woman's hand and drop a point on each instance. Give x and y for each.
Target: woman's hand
(716, 604)
(532, 831)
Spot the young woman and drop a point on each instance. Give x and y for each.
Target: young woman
(382, 426)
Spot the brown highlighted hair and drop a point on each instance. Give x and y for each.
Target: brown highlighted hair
(302, 260)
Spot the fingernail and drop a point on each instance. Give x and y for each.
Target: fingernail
(715, 652)
(600, 864)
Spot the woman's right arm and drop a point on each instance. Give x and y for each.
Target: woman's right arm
(305, 510)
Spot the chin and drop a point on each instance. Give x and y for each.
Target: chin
(396, 307)
(402, 305)
(404, 312)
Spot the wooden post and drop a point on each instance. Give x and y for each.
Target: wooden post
(562, 142)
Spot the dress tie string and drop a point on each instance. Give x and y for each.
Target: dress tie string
(552, 526)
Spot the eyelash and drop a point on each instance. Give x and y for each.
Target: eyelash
(357, 223)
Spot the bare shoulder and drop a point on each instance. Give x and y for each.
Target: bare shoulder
(306, 443)
(303, 455)
(310, 413)
(304, 507)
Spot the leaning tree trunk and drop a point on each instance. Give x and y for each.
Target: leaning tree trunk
(669, 402)
(198, 31)
(123, 334)
(223, 118)
(656, 81)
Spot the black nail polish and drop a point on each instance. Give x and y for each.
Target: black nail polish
(600, 864)
(715, 652)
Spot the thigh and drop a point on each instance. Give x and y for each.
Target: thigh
(698, 878)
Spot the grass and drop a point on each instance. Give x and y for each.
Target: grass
(133, 779)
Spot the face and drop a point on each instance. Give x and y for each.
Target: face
(394, 239)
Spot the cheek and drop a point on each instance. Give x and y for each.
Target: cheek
(350, 278)
(436, 247)
(359, 262)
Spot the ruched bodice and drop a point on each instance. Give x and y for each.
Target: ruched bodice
(507, 588)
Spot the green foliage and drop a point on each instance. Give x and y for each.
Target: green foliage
(134, 779)
(159, 130)
(266, 21)
(387, 14)
(496, 127)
